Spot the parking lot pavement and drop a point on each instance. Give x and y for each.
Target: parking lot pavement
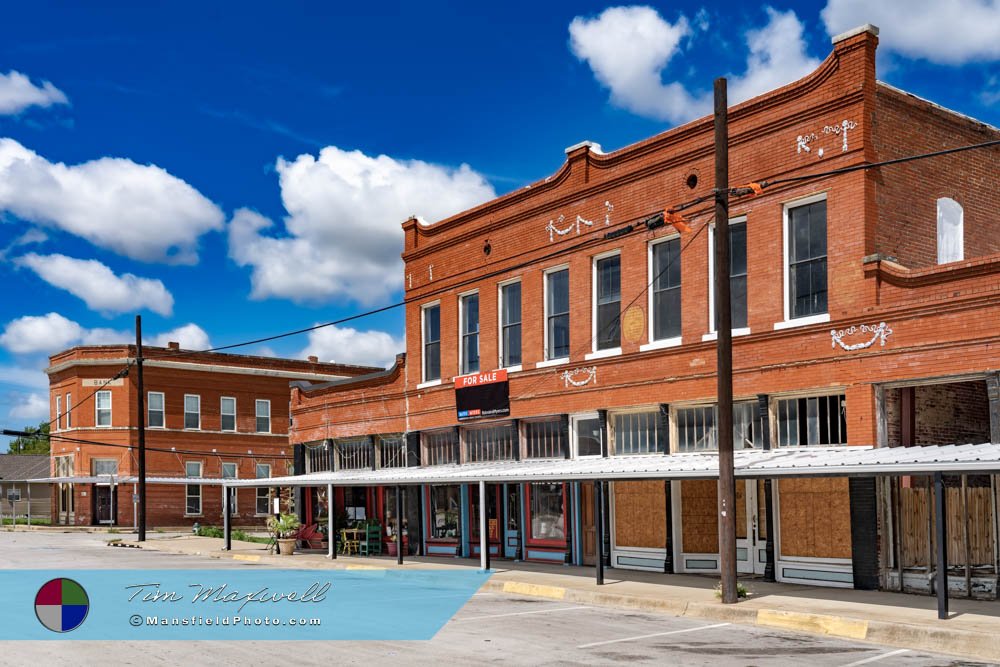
(490, 628)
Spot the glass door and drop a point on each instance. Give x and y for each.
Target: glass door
(751, 527)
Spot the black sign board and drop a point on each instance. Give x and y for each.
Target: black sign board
(482, 395)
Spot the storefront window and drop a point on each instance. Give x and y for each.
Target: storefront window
(547, 511)
(446, 503)
(355, 498)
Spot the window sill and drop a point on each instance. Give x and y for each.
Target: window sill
(601, 354)
(514, 369)
(802, 321)
(552, 362)
(661, 344)
(714, 335)
(429, 383)
(193, 516)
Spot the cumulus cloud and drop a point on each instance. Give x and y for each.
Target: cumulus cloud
(53, 332)
(190, 336)
(98, 285)
(948, 32)
(29, 408)
(628, 49)
(350, 346)
(23, 376)
(17, 93)
(343, 236)
(139, 211)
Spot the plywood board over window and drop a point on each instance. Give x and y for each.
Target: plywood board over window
(699, 523)
(640, 514)
(815, 519)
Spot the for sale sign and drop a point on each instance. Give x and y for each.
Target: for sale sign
(482, 395)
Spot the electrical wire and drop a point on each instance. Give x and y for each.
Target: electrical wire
(81, 441)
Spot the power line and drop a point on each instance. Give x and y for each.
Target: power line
(58, 436)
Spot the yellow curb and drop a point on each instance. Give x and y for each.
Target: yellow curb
(252, 559)
(364, 567)
(536, 590)
(815, 623)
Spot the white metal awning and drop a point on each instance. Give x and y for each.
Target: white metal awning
(129, 479)
(858, 461)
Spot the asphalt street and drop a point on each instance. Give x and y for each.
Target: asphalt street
(491, 628)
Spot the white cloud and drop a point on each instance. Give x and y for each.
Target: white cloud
(991, 93)
(350, 346)
(22, 376)
(190, 336)
(949, 32)
(17, 93)
(29, 408)
(628, 48)
(98, 286)
(343, 229)
(139, 211)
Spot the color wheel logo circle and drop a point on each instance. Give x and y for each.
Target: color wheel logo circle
(61, 605)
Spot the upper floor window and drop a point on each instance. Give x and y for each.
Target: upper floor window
(639, 433)
(69, 410)
(607, 302)
(816, 420)
(192, 411)
(950, 231)
(58, 412)
(392, 451)
(469, 329)
(495, 442)
(544, 439)
(588, 435)
(263, 411)
(227, 412)
(666, 293)
(805, 241)
(697, 427)
(557, 314)
(104, 466)
(102, 405)
(510, 325)
(432, 342)
(737, 275)
(440, 447)
(154, 409)
(354, 454)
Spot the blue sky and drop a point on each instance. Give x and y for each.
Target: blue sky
(236, 170)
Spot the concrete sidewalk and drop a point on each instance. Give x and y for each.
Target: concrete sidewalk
(894, 619)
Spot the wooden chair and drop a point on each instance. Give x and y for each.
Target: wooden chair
(348, 547)
(372, 544)
(309, 537)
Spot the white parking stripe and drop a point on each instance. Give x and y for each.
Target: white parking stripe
(876, 658)
(655, 634)
(517, 613)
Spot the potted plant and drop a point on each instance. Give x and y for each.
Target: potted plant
(284, 527)
(390, 543)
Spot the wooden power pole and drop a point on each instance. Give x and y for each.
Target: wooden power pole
(723, 316)
(141, 407)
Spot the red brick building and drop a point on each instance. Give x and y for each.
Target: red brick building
(865, 312)
(209, 416)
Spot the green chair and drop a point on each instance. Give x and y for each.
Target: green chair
(372, 544)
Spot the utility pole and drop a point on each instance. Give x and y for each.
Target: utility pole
(142, 429)
(723, 316)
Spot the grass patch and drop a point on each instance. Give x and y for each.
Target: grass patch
(21, 521)
(239, 535)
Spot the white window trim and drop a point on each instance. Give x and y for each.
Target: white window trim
(103, 458)
(423, 343)
(654, 344)
(500, 359)
(256, 416)
(221, 413)
(69, 410)
(97, 410)
(601, 354)
(58, 412)
(461, 333)
(573, 436)
(546, 361)
(430, 383)
(739, 331)
(201, 494)
(789, 323)
(163, 408)
(198, 427)
(594, 352)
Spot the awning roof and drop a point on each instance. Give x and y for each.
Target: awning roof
(858, 461)
(129, 479)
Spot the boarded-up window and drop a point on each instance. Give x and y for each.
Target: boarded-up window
(815, 517)
(699, 507)
(950, 231)
(640, 514)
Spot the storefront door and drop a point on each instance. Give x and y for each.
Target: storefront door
(589, 526)
(493, 492)
(751, 527)
(512, 531)
(102, 504)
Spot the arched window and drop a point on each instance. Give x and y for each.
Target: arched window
(950, 235)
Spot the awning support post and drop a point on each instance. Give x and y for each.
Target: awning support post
(400, 542)
(227, 526)
(599, 526)
(484, 556)
(29, 503)
(941, 534)
(331, 534)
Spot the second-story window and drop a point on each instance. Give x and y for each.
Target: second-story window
(69, 410)
(806, 242)
(103, 407)
(666, 294)
(469, 324)
(192, 411)
(607, 302)
(737, 275)
(154, 409)
(432, 342)
(58, 412)
(557, 314)
(510, 325)
(263, 411)
(227, 411)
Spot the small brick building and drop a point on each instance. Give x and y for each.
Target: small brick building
(208, 415)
